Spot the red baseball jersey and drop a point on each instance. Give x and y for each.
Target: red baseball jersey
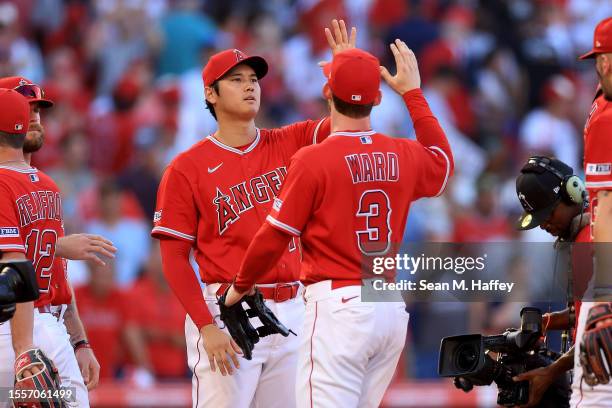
(31, 222)
(348, 198)
(598, 151)
(216, 197)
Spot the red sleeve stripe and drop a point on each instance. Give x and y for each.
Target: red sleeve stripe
(174, 233)
(282, 226)
(447, 168)
(316, 131)
(7, 247)
(598, 184)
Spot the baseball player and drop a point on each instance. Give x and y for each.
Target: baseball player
(555, 199)
(348, 198)
(212, 199)
(61, 303)
(595, 319)
(31, 220)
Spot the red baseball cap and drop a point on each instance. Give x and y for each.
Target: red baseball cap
(14, 112)
(354, 76)
(27, 88)
(220, 64)
(602, 39)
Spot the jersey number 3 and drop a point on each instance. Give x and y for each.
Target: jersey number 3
(375, 209)
(40, 248)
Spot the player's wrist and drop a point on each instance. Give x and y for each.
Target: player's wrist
(81, 344)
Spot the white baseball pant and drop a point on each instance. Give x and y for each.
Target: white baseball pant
(266, 381)
(51, 337)
(349, 350)
(583, 395)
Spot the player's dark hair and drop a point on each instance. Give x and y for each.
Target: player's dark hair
(209, 106)
(12, 140)
(352, 110)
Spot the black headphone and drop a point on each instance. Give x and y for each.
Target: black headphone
(572, 189)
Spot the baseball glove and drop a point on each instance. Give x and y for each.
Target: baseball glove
(236, 319)
(596, 346)
(42, 384)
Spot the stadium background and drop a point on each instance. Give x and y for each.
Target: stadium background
(501, 76)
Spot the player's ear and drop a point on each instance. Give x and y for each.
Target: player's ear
(210, 94)
(378, 98)
(327, 93)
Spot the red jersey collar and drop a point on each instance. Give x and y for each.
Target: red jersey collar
(353, 133)
(234, 149)
(20, 169)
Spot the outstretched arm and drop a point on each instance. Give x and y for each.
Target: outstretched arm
(85, 247)
(264, 252)
(429, 133)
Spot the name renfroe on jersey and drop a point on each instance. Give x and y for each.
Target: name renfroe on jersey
(242, 197)
(39, 205)
(375, 166)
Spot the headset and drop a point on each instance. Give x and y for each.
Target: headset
(572, 189)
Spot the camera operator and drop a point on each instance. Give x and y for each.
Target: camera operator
(555, 200)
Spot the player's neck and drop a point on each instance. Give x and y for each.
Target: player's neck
(236, 133)
(339, 122)
(12, 157)
(27, 157)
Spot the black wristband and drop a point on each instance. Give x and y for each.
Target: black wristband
(80, 344)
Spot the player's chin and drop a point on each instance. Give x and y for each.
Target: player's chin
(249, 111)
(33, 142)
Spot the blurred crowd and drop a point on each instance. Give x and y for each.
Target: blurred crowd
(125, 75)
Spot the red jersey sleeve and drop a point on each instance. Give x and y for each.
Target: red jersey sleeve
(598, 156)
(291, 211)
(10, 237)
(433, 153)
(175, 212)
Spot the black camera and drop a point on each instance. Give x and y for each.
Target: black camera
(467, 358)
(17, 285)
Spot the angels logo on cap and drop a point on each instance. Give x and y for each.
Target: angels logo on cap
(239, 55)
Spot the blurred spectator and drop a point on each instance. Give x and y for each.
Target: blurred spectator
(546, 130)
(156, 324)
(102, 308)
(129, 235)
(73, 178)
(484, 222)
(124, 33)
(185, 34)
(112, 133)
(144, 175)
(18, 56)
(501, 94)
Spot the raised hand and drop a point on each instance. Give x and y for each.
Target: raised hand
(339, 40)
(407, 76)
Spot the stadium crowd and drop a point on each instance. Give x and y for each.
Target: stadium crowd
(125, 76)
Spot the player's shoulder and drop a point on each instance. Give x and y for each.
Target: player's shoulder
(391, 142)
(193, 156)
(12, 176)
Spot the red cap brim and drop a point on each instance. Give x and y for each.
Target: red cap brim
(588, 55)
(43, 103)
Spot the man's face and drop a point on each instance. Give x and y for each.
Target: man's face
(559, 220)
(239, 94)
(36, 134)
(603, 66)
